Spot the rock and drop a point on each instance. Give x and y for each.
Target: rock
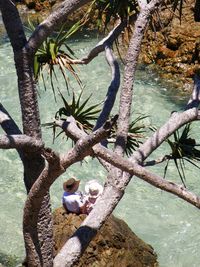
(175, 46)
(114, 246)
(164, 52)
(39, 5)
(30, 3)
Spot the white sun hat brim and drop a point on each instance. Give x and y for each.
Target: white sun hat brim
(93, 184)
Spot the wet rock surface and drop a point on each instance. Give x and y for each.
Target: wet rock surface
(115, 244)
(174, 48)
(171, 48)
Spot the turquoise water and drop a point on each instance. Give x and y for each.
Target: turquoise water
(170, 225)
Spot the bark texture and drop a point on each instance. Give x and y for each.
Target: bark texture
(33, 163)
(114, 190)
(42, 166)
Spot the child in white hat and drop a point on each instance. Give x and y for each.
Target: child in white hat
(93, 190)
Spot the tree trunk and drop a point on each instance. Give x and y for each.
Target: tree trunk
(42, 253)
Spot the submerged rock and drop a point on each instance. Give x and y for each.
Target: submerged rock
(114, 246)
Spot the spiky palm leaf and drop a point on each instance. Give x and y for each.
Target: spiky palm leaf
(82, 113)
(183, 148)
(108, 10)
(80, 110)
(55, 53)
(136, 134)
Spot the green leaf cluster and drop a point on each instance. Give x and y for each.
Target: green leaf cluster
(183, 148)
(82, 113)
(86, 115)
(109, 10)
(54, 52)
(136, 133)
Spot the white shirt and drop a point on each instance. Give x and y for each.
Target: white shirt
(73, 201)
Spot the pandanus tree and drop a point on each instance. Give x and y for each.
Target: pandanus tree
(89, 128)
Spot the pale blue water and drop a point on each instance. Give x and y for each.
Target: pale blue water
(170, 225)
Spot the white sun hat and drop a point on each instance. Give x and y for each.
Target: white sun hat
(93, 189)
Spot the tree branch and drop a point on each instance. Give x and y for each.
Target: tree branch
(100, 47)
(135, 169)
(75, 246)
(75, 133)
(7, 123)
(84, 146)
(195, 97)
(156, 161)
(113, 192)
(52, 22)
(153, 179)
(112, 89)
(175, 122)
(60, 163)
(129, 74)
(78, 243)
(26, 83)
(13, 24)
(21, 141)
(142, 3)
(9, 126)
(33, 162)
(54, 167)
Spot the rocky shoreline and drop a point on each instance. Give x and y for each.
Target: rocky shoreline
(171, 48)
(115, 245)
(173, 52)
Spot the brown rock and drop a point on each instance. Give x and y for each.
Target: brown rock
(173, 42)
(40, 5)
(175, 46)
(30, 3)
(164, 52)
(114, 246)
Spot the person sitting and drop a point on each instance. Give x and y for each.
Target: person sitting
(73, 201)
(93, 190)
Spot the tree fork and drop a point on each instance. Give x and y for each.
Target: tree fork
(33, 163)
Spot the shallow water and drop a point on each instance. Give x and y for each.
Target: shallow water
(170, 225)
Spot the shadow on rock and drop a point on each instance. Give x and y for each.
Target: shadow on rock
(115, 245)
